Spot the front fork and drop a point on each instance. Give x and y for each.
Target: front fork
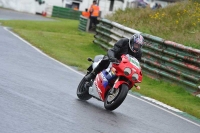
(119, 82)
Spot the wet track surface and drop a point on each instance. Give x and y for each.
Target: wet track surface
(6, 14)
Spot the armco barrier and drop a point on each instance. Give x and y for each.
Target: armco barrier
(84, 23)
(161, 58)
(68, 13)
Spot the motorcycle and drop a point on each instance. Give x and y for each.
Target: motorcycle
(111, 86)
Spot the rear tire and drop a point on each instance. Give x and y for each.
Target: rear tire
(118, 99)
(82, 92)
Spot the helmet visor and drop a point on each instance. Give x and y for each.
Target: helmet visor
(135, 47)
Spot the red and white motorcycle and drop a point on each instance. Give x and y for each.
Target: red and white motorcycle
(112, 84)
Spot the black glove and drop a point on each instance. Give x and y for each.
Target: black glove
(112, 59)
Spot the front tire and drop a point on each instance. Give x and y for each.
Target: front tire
(114, 100)
(82, 92)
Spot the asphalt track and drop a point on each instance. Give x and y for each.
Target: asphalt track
(38, 95)
(6, 14)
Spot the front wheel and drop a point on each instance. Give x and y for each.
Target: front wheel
(115, 99)
(82, 92)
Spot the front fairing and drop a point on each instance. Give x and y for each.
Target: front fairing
(103, 83)
(131, 62)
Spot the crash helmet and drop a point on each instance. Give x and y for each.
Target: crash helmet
(136, 42)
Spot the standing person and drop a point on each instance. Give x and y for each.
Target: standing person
(94, 11)
(76, 8)
(86, 13)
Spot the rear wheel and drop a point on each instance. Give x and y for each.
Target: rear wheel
(115, 99)
(82, 91)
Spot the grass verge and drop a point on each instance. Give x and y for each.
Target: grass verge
(62, 41)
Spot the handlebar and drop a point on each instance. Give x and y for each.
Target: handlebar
(115, 61)
(118, 62)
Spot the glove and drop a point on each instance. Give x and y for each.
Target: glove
(112, 59)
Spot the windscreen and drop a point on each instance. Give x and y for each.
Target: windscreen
(133, 61)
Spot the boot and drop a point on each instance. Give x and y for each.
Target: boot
(91, 76)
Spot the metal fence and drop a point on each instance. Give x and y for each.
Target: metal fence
(161, 58)
(84, 23)
(68, 13)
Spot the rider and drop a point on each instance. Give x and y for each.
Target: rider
(130, 46)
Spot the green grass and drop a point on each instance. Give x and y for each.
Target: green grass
(171, 94)
(62, 41)
(179, 22)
